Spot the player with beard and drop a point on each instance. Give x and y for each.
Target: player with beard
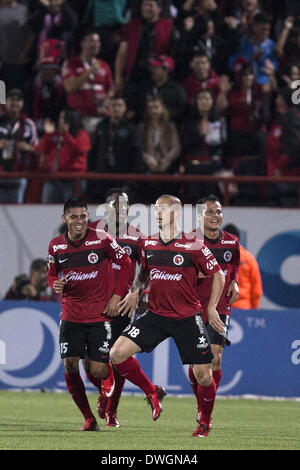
(226, 249)
(171, 263)
(80, 268)
(127, 236)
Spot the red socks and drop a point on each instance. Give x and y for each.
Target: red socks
(131, 370)
(217, 375)
(206, 397)
(113, 402)
(76, 389)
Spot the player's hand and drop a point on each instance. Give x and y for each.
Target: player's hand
(112, 306)
(129, 304)
(233, 292)
(215, 320)
(58, 286)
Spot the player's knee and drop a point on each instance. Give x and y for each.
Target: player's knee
(203, 375)
(217, 359)
(71, 365)
(118, 354)
(98, 370)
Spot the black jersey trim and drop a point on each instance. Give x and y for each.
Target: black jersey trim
(81, 259)
(74, 244)
(166, 258)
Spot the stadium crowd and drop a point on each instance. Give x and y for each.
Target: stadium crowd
(150, 86)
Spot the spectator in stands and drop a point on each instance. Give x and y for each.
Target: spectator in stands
(48, 96)
(257, 47)
(161, 84)
(288, 43)
(250, 283)
(55, 19)
(283, 149)
(203, 77)
(203, 137)
(283, 143)
(17, 136)
(13, 32)
(34, 286)
(64, 149)
(142, 38)
(248, 111)
(108, 18)
(115, 148)
(161, 146)
(88, 81)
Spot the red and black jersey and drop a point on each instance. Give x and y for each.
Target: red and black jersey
(226, 250)
(129, 242)
(173, 274)
(87, 268)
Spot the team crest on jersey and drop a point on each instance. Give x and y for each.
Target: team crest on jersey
(178, 260)
(127, 249)
(93, 258)
(227, 256)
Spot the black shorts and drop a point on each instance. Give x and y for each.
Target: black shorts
(118, 326)
(215, 337)
(86, 339)
(189, 334)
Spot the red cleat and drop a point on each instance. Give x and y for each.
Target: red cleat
(202, 430)
(101, 406)
(90, 425)
(154, 401)
(108, 385)
(112, 420)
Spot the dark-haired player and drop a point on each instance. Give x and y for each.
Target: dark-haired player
(127, 236)
(171, 263)
(79, 268)
(226, 249)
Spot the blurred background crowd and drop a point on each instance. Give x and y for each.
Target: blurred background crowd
(204, 87)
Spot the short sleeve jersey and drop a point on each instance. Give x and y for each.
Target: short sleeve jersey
(226, 250)
(128, 242)
(173, 274)
(87, 268)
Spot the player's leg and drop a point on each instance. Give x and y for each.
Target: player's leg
(72, 345)
(218, 343)
(137, 337)
(110, 408)
(194, 348)
(206, 395)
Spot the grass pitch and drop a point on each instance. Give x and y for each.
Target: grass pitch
(51, 421)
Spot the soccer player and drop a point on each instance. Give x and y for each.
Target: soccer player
(171, 262)
(226, 249)
(127, 236)
(79, 268)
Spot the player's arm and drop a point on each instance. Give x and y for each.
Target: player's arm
(117, 255)
(216, 291)
(233, 289)
(208, 265)
(130, 303)
(54, 282)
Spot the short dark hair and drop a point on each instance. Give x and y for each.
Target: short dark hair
(112, 191)
(231, 228)
(210, 198)
(38, 264)
(74, 202)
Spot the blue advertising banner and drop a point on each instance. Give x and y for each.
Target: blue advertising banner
(263, 359)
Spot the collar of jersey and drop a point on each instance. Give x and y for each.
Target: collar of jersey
(214, 240)
(76, 245)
